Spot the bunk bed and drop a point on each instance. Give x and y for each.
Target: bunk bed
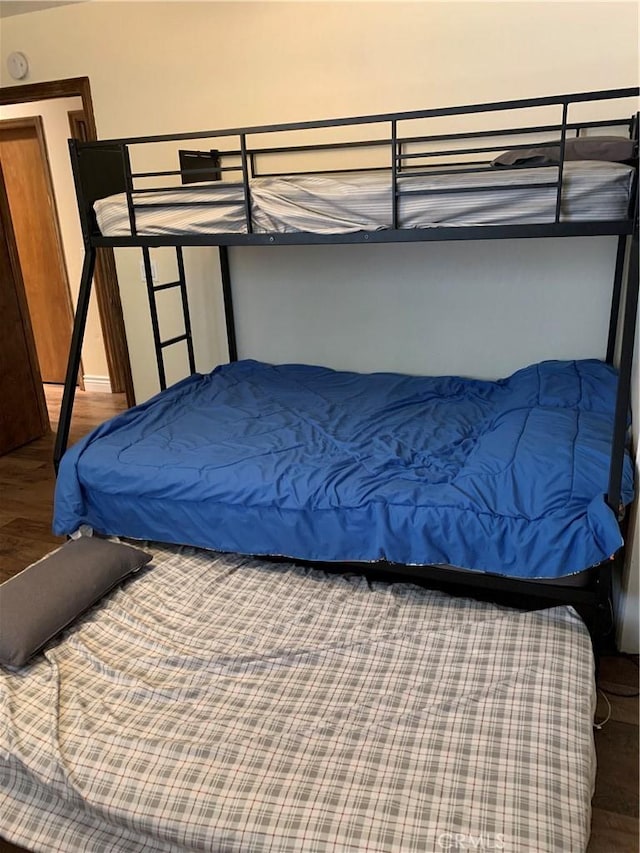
(371, 489)
(326, 705)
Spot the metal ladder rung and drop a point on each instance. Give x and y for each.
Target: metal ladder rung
(174, 340)
(169, 284)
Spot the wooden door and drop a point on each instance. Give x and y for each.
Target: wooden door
(35, 223)
(23, 412)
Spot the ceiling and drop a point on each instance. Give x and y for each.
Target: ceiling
(22, 7)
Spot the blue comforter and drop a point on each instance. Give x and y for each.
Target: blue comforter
(507, 477)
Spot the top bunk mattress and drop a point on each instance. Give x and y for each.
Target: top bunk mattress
(507, 477)
(340, 204)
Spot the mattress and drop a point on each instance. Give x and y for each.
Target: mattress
(336, 204)
(507, 477)
(213, 703)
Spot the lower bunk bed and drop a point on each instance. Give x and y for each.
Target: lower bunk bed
(215, 702)
(506, 478)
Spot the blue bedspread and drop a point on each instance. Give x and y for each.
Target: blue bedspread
(507, 476)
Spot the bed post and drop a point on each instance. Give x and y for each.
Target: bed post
(615, 299)
(623, 397)
(73, 364)
(228, 303)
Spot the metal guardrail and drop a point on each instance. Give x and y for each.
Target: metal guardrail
(399, 152)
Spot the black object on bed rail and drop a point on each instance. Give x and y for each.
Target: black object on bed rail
(420, 185)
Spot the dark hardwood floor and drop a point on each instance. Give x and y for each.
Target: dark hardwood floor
(27, 481)
(26, 494)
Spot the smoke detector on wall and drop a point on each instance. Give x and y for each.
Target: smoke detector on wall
(18, 65)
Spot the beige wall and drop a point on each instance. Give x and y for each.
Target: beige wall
(475, 308)
(56, 129)
(164, 66)
(175, 66)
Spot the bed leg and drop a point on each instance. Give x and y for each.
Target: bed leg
(73, 363)
(599, 620)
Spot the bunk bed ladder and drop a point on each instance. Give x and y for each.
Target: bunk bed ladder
(73, 364)
(152, 289)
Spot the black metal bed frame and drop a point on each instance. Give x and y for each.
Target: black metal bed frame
(104, 168)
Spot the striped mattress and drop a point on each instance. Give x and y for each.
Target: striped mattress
(218, 703)
(338, 204)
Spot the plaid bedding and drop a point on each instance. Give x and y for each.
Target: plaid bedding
(223, 704)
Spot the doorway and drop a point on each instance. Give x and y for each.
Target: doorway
(105, 279)
(35, 222)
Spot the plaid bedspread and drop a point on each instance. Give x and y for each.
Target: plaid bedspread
(217, 703)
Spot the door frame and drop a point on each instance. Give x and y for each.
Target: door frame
(105, 278)
(35, 123)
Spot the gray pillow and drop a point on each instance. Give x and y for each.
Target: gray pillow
(38, 602)
(615, 149)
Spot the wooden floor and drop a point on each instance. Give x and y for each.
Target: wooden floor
(26, 493)
(27, 480)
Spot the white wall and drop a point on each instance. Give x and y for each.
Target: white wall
(483, 308)
(55, 121)
(400, 308)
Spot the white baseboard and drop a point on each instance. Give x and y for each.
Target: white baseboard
(97, 383)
